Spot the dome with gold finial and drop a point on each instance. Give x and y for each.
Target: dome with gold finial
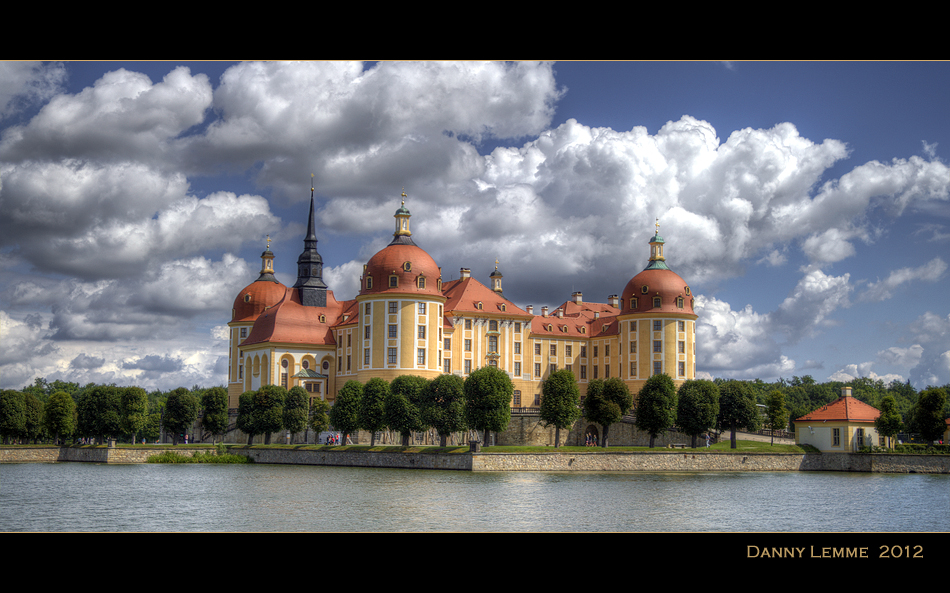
(657, 289)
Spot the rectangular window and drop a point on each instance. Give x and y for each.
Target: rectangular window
(606, 350)
(583, 372)
(493, 343)
(606, 371)
(633, 326)
(283, 380)
(633, 347)
(393, 307)
(421, 356)
(422, 308)
(552, 368)
(391, 355)
(422, 332)
(537, 369)
(583, 351)
(682, 325)
(392, 330)
(518, 370)
(682, 368)
(596, 371)
(633, 369)
(517, 347)
(446, 365)
(537, 348)
(447, 344)
(537, 399)
(243, 332)
(657, 346)
(393, 281)
(349, 337)
(836, 437)
(596, 348)
(568, 351)
(516, 399)
(553, 349)
(365, 356)
(468, 345)
(468, 324)
(366, 330)
(367, 308)
(657, 367)
(348, 361)
(468, 366)
(517, 327)
(657, 325)
(682, 347)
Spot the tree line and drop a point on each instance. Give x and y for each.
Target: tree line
(57, 411)
(63, 412)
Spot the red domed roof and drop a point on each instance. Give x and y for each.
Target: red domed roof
(654, 282)
(256, 297)
(407, 263)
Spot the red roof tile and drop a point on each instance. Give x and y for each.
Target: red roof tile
(845, 408)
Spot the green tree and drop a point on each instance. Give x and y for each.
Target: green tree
(345, 411)
(606, 402)
(656, 406)
(59, 415)
(319, 415)
(889, 423)
(737, 408)
(33, 417)
(776, 414)
(697, 407)
(560, 402)
(269, 410)
(214, 403)
(443, 405)
(488, 392)
(99, 412)
(245, 419)
(930, 418)
(403, 408)
(133, 404)
(12, 415)
(296, 409)
(372, 415)
(181, 411)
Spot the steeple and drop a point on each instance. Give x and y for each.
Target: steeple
(657, 261)
(402, 234)
(267, 264)
(313, 291)
(496, 279)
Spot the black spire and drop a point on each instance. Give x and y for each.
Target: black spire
(313, 291)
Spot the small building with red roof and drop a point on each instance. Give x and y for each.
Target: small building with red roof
(844, 425)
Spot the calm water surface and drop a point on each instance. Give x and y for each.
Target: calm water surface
(58, 497)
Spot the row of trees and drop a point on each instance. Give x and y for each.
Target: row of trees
(101, 412)
(408, 404)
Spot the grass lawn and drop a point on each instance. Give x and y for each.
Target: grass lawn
(722, 447)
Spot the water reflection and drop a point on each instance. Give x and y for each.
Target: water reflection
(87, 497)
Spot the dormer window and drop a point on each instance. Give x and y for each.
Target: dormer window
(369, 282)
(393, 281)
(422, 281)
(479, 305)
(633, 302)
(679, 302)
(657, 302)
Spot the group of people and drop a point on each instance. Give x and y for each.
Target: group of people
(591, 440)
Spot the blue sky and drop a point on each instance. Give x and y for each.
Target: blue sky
(806, 203)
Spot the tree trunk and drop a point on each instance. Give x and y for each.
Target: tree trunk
(485, 443)
(652, 437)
(250, 439)
(693, 442)
(732, 438)
(443, 438)
(606, 432)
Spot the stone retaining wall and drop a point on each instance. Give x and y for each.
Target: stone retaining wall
(646, 461)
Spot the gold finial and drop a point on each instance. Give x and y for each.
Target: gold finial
(496, 263)
(404, 196)
(657, 226)
(311, 183)
(268, 242)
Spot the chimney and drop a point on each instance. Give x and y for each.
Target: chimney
(596, 314)
(845, 392)
(578, 297)
(613, 300)
(530, 309)
(465, 273)
(560, 314)
(544, 311)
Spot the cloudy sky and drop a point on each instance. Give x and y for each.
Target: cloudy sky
(807, 204)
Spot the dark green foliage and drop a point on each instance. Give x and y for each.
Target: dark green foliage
(33, 416)
(697, 407)
(214, 403)
(606, 402)
(889, 423)
(443, 405)
(776, 415)
(245, 419)
(59, 415)
(656, 405)
(12, 415)
(296, 409)
(319, 415)
(133, 403)
(488, 392)
(345, 411)
(269, 410)
(560, 402)
(181, 411)
(99, 412)
(737, 408)
(930, 418)
(373, 407)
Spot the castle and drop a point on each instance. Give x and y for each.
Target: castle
(407, 320)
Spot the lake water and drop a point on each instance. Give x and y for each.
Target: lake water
(82, 497)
